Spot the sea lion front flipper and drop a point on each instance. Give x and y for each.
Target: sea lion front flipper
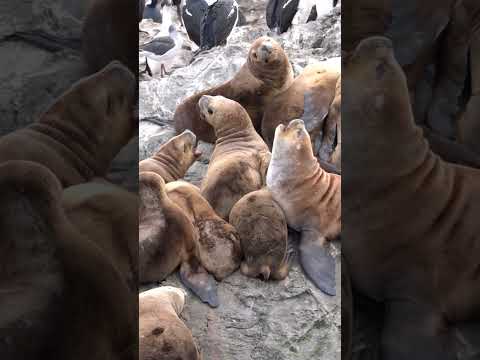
(317, 262)
(200, 282)
(415, 331)
(315, 111)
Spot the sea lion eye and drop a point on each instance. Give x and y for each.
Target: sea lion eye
(210, 111)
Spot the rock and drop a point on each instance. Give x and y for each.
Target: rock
(290, 319)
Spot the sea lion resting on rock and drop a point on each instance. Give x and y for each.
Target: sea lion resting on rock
(309, 97)
(220, 251)
(162, 334)
(262, 227)
(167, 240)
(412, 236)
(80, 134)
(310, 199)
(172, 159)
(55, 279)
(266, 73)
(110, 32)
(108, 216)
(240, 159)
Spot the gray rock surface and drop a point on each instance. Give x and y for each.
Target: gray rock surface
(290, 319)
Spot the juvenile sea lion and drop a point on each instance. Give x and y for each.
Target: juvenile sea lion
(110, 32)
(309, 97)
(172, 159)
(411, 236)
(220, 251)
(162, 334)
(266, 73)
(240, 159)
(262, 227)
(108, 216)
(310, 199)
(167, 240)
(56, 283)
(80, 134)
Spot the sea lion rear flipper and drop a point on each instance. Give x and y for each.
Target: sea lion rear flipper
(317, 262)
(200, 282)
(415, 331)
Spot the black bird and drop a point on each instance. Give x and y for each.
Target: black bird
(209, 23)
(153, 11)
(280, 14)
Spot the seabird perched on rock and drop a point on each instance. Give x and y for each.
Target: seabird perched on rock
(281, 14)
(210, 22)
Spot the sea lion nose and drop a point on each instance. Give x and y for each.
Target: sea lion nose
(296, 123)
(378, 46)
(191, 135)
(267, 47)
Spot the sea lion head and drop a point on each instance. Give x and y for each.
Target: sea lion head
(170, 295)
(268, 62)
(182, 149)
(101, 107)
(375, 89)
(292, 142)
(222, 113)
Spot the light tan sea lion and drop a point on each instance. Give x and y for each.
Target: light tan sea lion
(61, 296)
(411, 235)
(309, 197)
(240, 159)
(309, 97)
(262, 227)
(167, 240)
(80, 134)
(172, 159)
(110, 32)
(162, 334)
(220, 250)
(266, 73)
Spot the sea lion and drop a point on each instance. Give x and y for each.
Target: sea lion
(411, 235)
(309, 97)
(310, 199)
(266, 73)
(347, 312)
(162, 334)
(172, 159)
(56, 283)
(80, 134)
(240, 159)
(220, 250)
(167, 240)
(108, 216)
(262, 227)
(110, 32)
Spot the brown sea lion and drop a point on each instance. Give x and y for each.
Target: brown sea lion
(262, 227)
(172, 159)
(266, 73)
(56, 283)
(309, 97)
(220, 250)
(80, 134)
(411, 234)
(167, 240)
(110, 32)
(162, 334)
(240, 159)
(108, 216)
(310, 199)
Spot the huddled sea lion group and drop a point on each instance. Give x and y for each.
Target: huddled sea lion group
(69, 249)
(252, 192)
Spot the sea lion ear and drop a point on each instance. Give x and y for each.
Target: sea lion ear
(200, 282)
(317, 262)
